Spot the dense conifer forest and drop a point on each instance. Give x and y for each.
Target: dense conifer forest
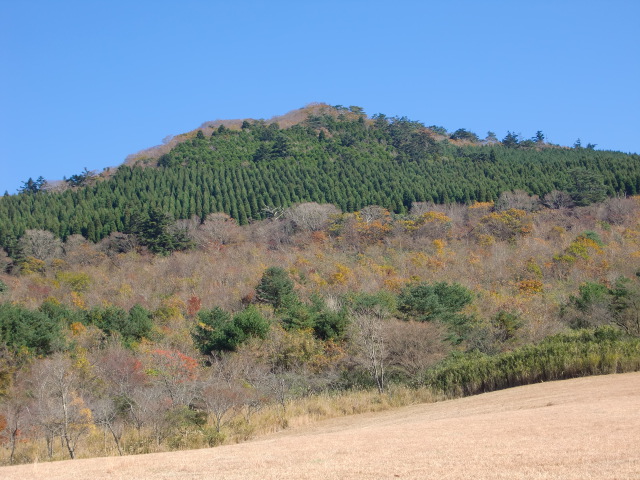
(336, 156)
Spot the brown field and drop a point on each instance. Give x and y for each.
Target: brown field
(586, 428)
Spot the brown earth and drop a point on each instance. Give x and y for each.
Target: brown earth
(587, 428)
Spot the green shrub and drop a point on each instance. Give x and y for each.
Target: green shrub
(439, 301)
(30, 330)
(216, 330)
(131, 326)
(579, 353)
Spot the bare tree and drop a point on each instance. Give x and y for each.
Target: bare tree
(121, 375)
(275, 213)
(118, 242)
(372, 213)
(413, 346)
(517, 199)
(79, 251)
(41, 244)
(618, 210)
(557, 199)
(216, 230)
(58, 402)
(310, 217)
(369, 337)
(14, 409)
(222, 393)
(5, 261)
(107, 413)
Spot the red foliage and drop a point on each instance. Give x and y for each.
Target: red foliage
(176, 364)
(194, 304)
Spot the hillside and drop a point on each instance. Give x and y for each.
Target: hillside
(200, 298)
(575, 429)
(326, 155)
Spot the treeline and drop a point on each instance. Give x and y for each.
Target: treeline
(345, 159)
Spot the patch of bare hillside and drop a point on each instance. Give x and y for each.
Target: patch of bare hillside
(584, 428)
(287, 120)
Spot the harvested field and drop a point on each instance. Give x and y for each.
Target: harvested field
(586, 428)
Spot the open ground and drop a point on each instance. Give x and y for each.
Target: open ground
(585, 428)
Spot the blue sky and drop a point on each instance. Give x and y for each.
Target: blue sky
(85, 83)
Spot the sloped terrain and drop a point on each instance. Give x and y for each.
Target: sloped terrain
(586, 428)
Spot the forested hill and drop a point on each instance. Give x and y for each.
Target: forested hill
(334, 155)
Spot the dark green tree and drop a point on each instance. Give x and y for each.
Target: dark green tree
(276, 288)
(155, 232)
(586, 187)
(440, 302)
(32, 330)
(217, 331)
(511, 140)
(463, 134)
(33, 186)
(208, 333)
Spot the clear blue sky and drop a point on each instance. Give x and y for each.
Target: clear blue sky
(85, 83)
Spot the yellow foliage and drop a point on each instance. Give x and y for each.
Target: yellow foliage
(78, 282)
(301, 261)
(632, 235)
(485, 240)
(52, 301)
(530, 286)
(439, 246)
(395, 284)
(80, 360)
(419, 259)
(125, 290)
(478, 205)
(508, 223)
(583, 246)
(317, 279)
(78, 301)
(58, 264)
(31, 265)
(533, 268)
(385, 270)
(474, 259)
(341, 276)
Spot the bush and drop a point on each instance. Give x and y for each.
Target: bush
(131, 326)
(217, 331)
(33, 331)
(439, 301)
(580, 353)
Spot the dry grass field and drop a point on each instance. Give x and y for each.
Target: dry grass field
(586, 428)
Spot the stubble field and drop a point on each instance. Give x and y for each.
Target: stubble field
(586, 428)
